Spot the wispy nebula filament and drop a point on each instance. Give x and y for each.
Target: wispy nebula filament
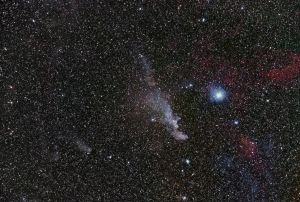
(158, 103)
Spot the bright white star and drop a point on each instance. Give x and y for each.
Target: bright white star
(217, 94)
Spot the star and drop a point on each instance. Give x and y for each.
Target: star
(153, 119)
(217, 94)
(236, 122)
(202, 20)
(103, 95)
(187, 161)
(187, 85)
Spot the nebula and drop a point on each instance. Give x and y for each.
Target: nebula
(162, 107)
(158, 103)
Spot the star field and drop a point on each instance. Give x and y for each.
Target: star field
(149, 100)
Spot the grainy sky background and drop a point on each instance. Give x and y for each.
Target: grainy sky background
(78, 120)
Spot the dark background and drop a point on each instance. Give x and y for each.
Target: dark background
(68, 74)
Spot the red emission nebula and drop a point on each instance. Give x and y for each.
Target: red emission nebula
(264, 68)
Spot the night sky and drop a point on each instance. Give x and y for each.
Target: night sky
(149, 100)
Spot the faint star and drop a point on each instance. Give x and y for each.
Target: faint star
(187, 161)
(202, 20)
(187, 85)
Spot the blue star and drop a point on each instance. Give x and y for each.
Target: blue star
(236, 122)
(217, 94)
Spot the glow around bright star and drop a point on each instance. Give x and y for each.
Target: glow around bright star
(217, 94)
(236, 122)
